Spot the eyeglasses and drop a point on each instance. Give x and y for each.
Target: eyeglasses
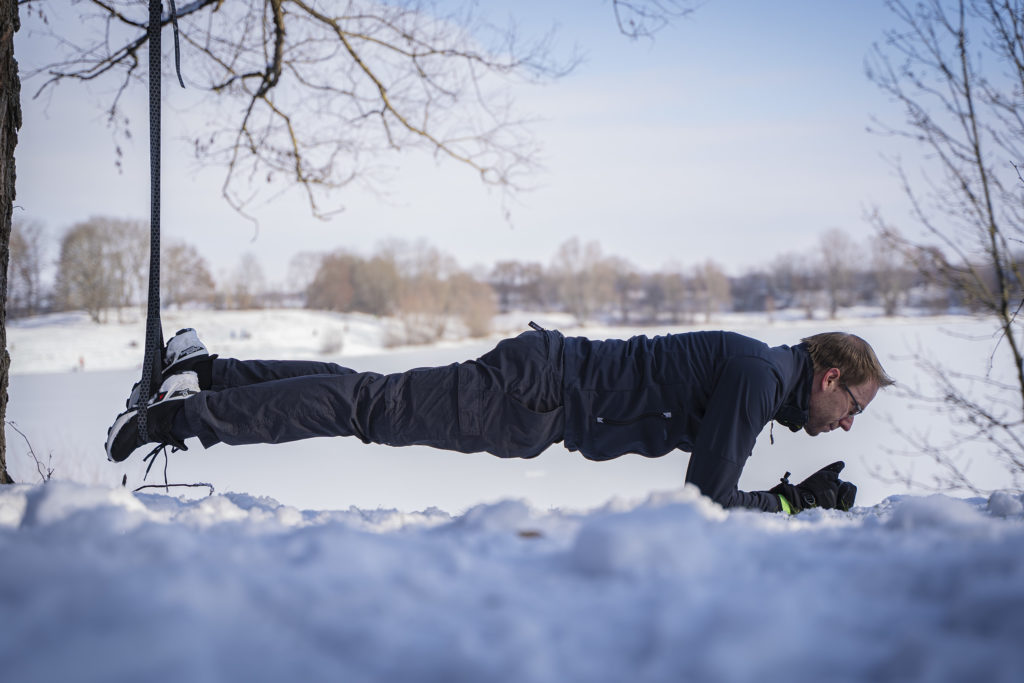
(857, 410)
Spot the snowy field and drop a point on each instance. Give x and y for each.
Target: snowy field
(70, 379)
(329, 560)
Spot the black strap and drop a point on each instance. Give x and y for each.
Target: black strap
(152, 364)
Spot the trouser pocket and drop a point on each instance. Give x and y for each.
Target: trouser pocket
(512, 430)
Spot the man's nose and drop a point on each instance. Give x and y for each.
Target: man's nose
(846, 423)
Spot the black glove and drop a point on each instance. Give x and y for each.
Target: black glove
(821, 489)
(847, 494)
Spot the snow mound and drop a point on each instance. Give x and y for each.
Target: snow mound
(101, 584)
(913, 513)
(1006, 504)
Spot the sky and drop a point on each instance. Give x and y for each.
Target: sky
(737, 134)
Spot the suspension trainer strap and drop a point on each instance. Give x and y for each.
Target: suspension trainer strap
(152, 364)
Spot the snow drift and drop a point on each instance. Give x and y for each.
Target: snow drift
(104, 585)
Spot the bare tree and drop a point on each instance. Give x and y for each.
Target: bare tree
(752, 291)
(82, 281)
(424, 302)
(245, 286)
(957, 68)
(518, 285)
(332, 286)
(627, 284)
(25, 277)
(127, 261)
(101, 266)
(711, 287)
(343, 281)
(185, 275)
(676, 291)
(313, 93)
(10, 122)
(892, 273)
(376, 286)
(838, 258)
(504, 278)
(795, 282)
(585, 279)
(654, 295)
(302, 270)
(473, 302)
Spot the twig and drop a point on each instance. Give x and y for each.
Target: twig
(164, 486)
(45, 476)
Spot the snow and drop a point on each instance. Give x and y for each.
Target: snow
(103, 585)
(330, 560)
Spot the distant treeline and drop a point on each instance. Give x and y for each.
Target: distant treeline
(102, 267)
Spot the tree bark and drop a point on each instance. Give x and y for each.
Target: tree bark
(10, 122)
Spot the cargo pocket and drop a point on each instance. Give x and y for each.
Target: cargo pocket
(511, 430)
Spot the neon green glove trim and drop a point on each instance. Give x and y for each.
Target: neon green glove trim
(786, 507)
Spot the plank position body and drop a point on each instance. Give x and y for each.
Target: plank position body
(706, 393)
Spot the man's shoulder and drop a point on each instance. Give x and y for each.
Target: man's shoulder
(726, 347)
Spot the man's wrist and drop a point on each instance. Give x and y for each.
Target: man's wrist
(786, 506)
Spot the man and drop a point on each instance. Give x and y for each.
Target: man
(707, 393)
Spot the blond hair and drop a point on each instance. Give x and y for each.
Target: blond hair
(854, 357)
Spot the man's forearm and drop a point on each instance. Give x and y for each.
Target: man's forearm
(716, 478)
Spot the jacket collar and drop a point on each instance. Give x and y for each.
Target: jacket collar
(794, 410)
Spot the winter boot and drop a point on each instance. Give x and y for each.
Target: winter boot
(123, 436)
(184, 352)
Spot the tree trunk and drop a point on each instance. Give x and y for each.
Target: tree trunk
(10, 122)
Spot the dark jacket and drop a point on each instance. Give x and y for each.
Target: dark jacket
(707, 393)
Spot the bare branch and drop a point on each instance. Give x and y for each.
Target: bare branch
(45, 473)
(644, 18)
(957, 68)
(321, 93)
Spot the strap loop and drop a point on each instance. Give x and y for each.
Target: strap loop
(177, 47)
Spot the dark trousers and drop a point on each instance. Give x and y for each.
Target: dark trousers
(508, 402)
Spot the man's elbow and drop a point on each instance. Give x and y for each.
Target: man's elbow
(725, 497)
(728, 499)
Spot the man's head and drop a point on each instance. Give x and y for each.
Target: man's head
(847, 375)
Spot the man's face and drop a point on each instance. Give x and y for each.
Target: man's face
(833, 404)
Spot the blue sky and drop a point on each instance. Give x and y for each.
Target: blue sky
(737, 134)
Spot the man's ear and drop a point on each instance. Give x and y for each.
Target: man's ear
(831, 376)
